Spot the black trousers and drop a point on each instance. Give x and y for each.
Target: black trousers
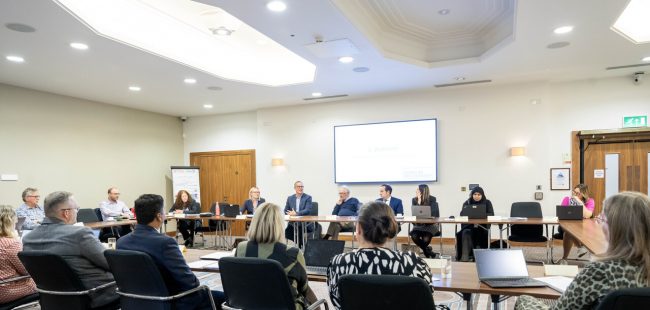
(186, 228)
(476, 236)
(422, 239)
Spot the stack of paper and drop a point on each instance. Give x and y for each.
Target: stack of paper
(561, 270)
(204, 264)
(558, 283)
(218, 255)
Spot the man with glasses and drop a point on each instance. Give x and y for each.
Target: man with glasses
(75, 244)
(298, 204)
(345, 206)
(30, 210)
(114, 207)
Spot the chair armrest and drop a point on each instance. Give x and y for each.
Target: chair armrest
(318, 303)
(77, 293)
(173, 297)
(14, 279)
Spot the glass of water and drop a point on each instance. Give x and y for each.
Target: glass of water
(445, 270)
(112, 243)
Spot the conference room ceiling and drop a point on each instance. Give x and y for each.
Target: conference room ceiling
(404, 44)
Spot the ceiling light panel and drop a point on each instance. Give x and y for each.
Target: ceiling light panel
(180, 30)
(633, 23)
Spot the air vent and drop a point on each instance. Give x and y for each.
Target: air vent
(324, 97)
(462, 83)
(628, 66)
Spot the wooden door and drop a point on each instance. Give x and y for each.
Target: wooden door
(225, 177)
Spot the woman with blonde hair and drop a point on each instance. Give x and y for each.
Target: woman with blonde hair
(266, 240)
(252, 202)
(10, 266)
(580, 196)
(625, 221)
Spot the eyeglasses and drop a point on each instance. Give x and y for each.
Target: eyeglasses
(70, 209)
(577, 193)
(600, 219)
(300, 186)
(35, 196)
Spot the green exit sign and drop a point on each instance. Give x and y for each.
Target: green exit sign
(635, 121)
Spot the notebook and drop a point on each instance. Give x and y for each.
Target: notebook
(319, 253)
(503, 268)
(568, 212)
(474, 211)
(421, 211)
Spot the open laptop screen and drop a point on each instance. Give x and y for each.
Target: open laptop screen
(320, 252)
(500, 264)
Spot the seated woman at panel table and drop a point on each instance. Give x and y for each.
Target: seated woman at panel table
(376, 226)
(186, 204)
(266, 240)
(422, 233)
(252, 202)
(471, 236)
(580, 198)
(10, 265)
(625, 221)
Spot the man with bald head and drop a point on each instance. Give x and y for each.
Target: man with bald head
(75, 244)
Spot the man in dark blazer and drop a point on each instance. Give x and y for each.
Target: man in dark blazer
(76, 244)
(165, 253)
(385, 193)
(297, 204)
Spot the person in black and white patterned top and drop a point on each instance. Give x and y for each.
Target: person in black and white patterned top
(376, 226)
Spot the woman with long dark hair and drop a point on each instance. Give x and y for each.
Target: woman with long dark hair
(421, 234)
(187, 205)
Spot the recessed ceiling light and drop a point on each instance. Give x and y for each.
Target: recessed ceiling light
(79, 46)
(444, 12)
(346, 59)
(646, 59)
(460, 78)
(633, 23)
(222, 31)
(276, 6)
(14, 58)
(316, 94)
(20, 27)
(135, 88)
(361, 69)
(215, 88)
(207, 106)
(563, 29)
(189, 81)
(558, 45)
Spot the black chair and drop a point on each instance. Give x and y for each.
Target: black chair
(87, 216)
(20, 302)
(318, 229)
(104, 233)
(363, 291)
(627, 298)
(528, 233)
(140, 284)
(59, 286)
(242, 275)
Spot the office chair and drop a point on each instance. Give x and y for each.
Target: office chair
(59, 286)
(24, 301)
(140, 284)
(104, 233)
(265, 277)
(363, 291)
(87, 216)
(318, 229)
(532, 234)
(627, 298)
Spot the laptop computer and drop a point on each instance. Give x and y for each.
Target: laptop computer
(474, 211)
(318, 254)
(421, 212)
(19, 226)
(503, 268)
(568, 212)
(229, 210)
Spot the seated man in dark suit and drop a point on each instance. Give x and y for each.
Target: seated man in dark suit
(165, 253)
(297, 204)
(345, 206)
(76, 244)
(386, 195)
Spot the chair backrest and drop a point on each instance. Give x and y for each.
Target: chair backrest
(530, 209)
(136, 273)
(242, 275)
(87, 216)
(362, 291)
(314, 208)
(98, 213)
(627, 298)
(51, 272)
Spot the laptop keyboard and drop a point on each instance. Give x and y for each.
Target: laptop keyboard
(526, 282)
(317, 270)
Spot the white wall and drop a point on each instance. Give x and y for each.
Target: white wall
(56, 142)
(477, 127)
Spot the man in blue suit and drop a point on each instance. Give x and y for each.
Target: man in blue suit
(165, 253)
(385, 192)
(298, 204)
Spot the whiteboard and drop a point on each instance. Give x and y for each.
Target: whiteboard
(187, 178)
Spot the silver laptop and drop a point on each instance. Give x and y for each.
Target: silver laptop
(19, 226)
(503, 268)
(319, 253)
(421, 211)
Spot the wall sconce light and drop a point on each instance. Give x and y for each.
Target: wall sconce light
(277, 162)
(517, 151)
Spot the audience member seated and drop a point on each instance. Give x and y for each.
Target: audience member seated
(298, 204)
(265, 241)
(112, 207)
(422, 233)
(471, 236)
(76, 244)
(625, 221)
(252, 202)
(376, 226)
(10, 265)
(30, 210)
(345, 206)
(165, 253)
(580, 198)
(186, 204)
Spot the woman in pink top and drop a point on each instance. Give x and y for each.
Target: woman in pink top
(10, 266)
(580, 198)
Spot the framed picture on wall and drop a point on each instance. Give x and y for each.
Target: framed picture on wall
(560, 179)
